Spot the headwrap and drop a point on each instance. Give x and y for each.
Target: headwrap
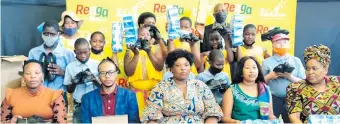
(320, 53)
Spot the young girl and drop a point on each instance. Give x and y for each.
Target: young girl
(248, 98)
(215, 41)
(249, 49)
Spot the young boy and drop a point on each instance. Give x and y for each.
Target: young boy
(80, 75)
(214, 77)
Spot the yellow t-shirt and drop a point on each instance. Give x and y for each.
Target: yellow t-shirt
(226, 68)
(185, 46)
(256, 52)
(69, 43)
(145, 76)
(103, 55)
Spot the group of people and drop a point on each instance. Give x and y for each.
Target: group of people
(173, 80)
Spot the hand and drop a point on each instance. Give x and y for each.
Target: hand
(210, 120)
(285, 75)
(167, 26)
(205, 53)
(15, 118)
(274, 75)
(227, 34)
(133, 48)
(55, 69)
(123, 33)
(199, 30)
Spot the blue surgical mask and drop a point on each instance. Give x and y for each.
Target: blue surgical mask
(70, 31)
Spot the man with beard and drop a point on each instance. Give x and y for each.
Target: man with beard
(249, 49)
(110, 99)
(220, 15)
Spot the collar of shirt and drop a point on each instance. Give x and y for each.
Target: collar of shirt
(57, 51)
(78, 63)
(102, 92)
(281, 59)
(219, 25)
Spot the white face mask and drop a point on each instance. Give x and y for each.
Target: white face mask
(49, 40)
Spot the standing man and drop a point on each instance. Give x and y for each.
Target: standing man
(220, 15)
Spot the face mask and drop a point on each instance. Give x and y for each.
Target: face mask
(214, 70)
(49, 40)
(70, 31)
(281, 51)
(220, 17)
(96, 51)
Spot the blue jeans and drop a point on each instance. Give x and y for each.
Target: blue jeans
(280, 108)
(76, 113)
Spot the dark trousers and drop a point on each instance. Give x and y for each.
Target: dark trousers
(280, 108)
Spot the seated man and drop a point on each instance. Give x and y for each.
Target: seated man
(109, 99)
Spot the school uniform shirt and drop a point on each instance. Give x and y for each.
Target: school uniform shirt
(63, 56)
(73, 69)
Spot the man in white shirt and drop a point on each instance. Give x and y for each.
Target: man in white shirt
(80, 75)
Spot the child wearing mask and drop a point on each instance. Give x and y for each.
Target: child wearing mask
(70, 24)
(249, 49)
(97, 43)
(215, 41)
(280, 70)
(214, 77)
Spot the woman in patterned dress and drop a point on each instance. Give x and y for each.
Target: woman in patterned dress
(33, 100)
(248, 98)
(179, 99)
(318, 93)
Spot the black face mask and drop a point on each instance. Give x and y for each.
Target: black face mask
(96, 51)
(248, 44)
(214, 70)
(220, 17)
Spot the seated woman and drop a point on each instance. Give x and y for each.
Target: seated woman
(34, 99)
(248, 98)
(179, 99)
(318, 93)
(143, 66)
(215, 41)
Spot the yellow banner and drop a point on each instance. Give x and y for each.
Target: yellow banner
(98, 15)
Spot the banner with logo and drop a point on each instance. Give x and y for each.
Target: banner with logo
(98, 15)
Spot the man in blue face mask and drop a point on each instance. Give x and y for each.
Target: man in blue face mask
(220, 24)
(70, 24)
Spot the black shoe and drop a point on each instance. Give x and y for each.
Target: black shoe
(288, 68)
(279, 68)
(50, 59)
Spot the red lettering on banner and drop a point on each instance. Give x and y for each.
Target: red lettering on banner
(156, 7)
(79, 8)
(261, 29)
(163, 8)
(232, 8)
(122, 82)
(86, 10)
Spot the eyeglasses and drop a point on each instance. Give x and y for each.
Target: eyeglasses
(110, 73)
(49, 34)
